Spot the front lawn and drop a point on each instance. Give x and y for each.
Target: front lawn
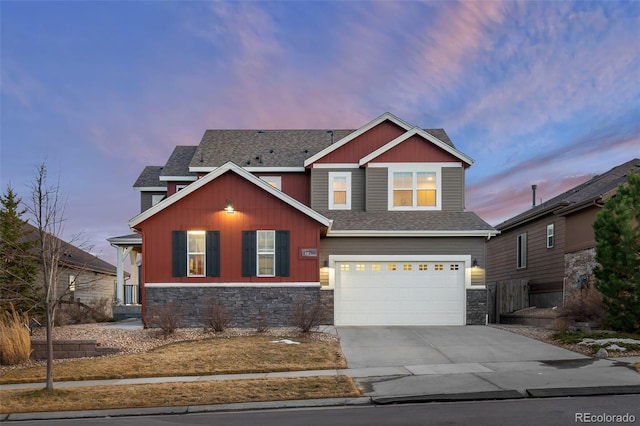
(176, 394)
(219, 355)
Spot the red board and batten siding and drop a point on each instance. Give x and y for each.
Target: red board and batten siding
(416, 149)
(255, 209)
(295, 185)
(364, 144)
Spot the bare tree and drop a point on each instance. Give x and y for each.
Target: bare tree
(48, 210)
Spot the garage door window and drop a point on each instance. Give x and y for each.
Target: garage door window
(376, 267)
(454, 267)
(391, 267)
(407, 267)
(423, 267)
(438, 267)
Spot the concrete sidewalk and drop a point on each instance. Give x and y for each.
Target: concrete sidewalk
(400, 384)
(418, 365)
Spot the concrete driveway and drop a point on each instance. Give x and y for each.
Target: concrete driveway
(473, 362)
(410, 346)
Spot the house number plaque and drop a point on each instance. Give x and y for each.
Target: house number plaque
(309, 252)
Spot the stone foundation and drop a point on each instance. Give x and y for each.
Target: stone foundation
(477, 307)
(247, 306)
(578, 271)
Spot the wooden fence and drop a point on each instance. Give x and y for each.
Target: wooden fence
(507, 296)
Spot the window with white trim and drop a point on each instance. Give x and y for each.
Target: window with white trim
(521, 251)
(275, 181)
(156, 198)
(195, 253)
(550, 235)
(414, 189)
(266, 253)
(339, 190)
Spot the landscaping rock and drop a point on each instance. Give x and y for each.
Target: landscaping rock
(602, 354)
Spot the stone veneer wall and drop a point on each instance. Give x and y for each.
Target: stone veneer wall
(576, 264)
(477, 306)
(63, 349)
(326, 298)
(245, 304)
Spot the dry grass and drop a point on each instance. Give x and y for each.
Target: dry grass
(636, 366)
(221, 355)
(176, 394)
(15, 343)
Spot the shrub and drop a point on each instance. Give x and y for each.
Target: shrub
(307, 314)
(260, 322)
(166, 317)
(583, 306)
(75, 312)
(15, 343)
(216, 317)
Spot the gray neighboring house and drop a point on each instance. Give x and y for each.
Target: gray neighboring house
(83, 277)
(399, 249)
(550, 248)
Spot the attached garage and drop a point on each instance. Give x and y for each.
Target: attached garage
(378, 290)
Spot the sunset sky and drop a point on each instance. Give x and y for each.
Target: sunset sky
(537, 92)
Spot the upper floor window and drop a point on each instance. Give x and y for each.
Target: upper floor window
(550, 235)
(414, 190)
(339, 190)
(180, 187)
(275, 181)
(521, 251)
(156, 198)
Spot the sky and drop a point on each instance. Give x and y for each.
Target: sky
(536, 92)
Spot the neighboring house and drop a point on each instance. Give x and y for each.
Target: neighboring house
(371, 221)
(551, 246)
(82, 276)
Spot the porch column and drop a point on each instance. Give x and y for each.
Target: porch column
(122, 253)
(133, 258)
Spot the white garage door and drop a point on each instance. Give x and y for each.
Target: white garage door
(399, 293)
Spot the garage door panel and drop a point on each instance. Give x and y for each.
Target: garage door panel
(399, 293)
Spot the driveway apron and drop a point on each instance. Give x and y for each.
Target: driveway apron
(412, 346)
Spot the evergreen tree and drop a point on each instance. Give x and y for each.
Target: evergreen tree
(618, 255)
(17, 265)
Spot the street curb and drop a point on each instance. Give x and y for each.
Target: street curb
(189, 409)
(584, 391)
(448, 397)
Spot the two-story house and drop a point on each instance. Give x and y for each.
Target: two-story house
(371, 221)
(551, 246)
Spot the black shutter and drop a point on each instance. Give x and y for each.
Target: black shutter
(282, 253)
(248, 253)
(179, 253)
(213, 253)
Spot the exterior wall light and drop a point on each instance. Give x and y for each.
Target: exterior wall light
(474, 263)
(229, 209)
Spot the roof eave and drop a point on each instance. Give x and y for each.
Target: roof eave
(422, 233)
(229, 166)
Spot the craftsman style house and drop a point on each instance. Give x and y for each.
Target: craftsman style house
(370, 221)
(550, 248)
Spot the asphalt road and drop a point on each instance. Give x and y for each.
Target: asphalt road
(525, 412)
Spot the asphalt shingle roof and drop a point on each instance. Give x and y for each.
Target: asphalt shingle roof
(75, 257)
(178, 162)
(347, 220)
(150, 177)
(592, 189)
(270, 148)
